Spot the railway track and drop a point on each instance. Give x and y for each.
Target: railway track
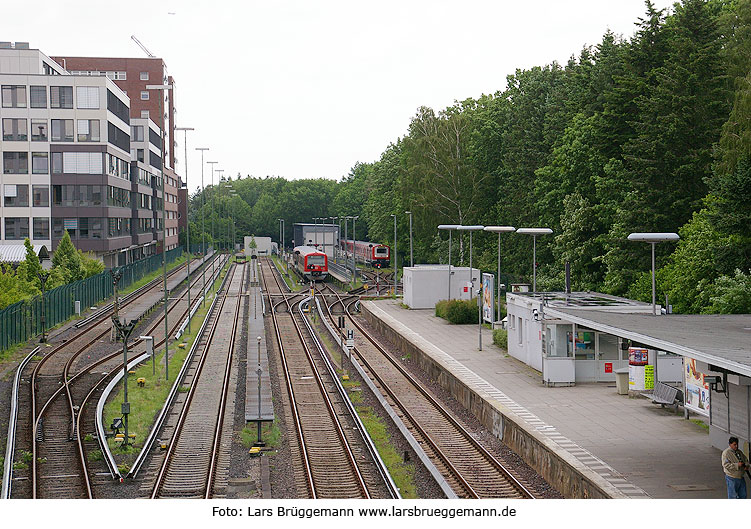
(190, 466)
(60, 385)
(469, 469)
(335, 459)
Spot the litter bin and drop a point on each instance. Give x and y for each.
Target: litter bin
(621, 380)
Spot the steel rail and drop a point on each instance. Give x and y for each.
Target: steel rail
(372, 450)
(162, 474)
(329, 405)
(441, 409)
(66, 387)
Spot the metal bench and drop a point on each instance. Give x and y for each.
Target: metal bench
(664, 394)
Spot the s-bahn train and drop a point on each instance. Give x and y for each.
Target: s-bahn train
(376, 255)
(310, 263)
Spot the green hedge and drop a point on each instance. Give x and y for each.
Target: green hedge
(457, 311)
(500, 338)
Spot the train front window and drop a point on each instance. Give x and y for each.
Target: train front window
(381, 251)
(316, 260)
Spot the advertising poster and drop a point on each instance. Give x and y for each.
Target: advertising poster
(697, 392)
(488, 307)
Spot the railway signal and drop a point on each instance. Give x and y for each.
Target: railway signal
(125, 330)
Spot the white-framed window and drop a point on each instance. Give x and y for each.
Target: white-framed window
(87, 97)
(144, 95)
(88, 130)
(82, 163)
(145, 114)
(144, 76)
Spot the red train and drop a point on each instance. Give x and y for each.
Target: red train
(375, 255)
(311, 263)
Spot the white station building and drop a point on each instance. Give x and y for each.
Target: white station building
(588, 337)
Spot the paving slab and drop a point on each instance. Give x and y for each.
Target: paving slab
(638, 447)
(256, 329)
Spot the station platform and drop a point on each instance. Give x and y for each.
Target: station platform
(339, 273)
(256, 330)
(586, 437)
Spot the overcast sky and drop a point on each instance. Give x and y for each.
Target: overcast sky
(308, 88)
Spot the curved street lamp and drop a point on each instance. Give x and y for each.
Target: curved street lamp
(534, 232)
(470, 229)
(450, 228)
(653, 239)
(499, 230)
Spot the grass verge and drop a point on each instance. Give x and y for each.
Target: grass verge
(289, 278)
(401, 472)
(147, 401)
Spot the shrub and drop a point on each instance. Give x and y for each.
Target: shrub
(457, 311)
(500, 338)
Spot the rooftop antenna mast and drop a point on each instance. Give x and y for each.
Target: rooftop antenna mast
(144, 48)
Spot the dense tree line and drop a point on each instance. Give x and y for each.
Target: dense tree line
(639, 134)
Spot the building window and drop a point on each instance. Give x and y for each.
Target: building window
(139, 155)
(88, 130)
(40, 163)
(38, 96)
(14, 96)
(87, 96)
(16, 162)
(144, 76)
(16, 228)
(82, 163)
(39, 130)
(62, 130)
(40, 196)
(57, 163)
(15, 130)
(41, 228)
(96, 230)
(64, 196)
(136, 133)
(144, 95)
(61, 97)
(120, 76)
(16, 195)
(145, 114)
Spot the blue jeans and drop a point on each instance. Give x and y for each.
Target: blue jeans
(736, 487)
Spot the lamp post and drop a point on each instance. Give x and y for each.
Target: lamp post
(354, 242)
(396, 269)
(213, 210)
(346, 243)
(653, 239)
(43, 277)
(203, 224)
(450, 228)
(161, 89)
(338, 238)
(470, 229)
(187, 220)
(534, 232)
(499, 230)
(411, 261)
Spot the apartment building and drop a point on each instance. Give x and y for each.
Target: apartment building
(133, 75)
(66, 156)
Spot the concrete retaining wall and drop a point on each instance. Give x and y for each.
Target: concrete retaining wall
(559, 468)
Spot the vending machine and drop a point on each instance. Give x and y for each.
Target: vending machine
(641, 369)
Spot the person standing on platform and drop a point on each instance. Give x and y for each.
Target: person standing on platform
(735, 464)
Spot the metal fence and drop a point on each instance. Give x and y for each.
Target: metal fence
(23, 320)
